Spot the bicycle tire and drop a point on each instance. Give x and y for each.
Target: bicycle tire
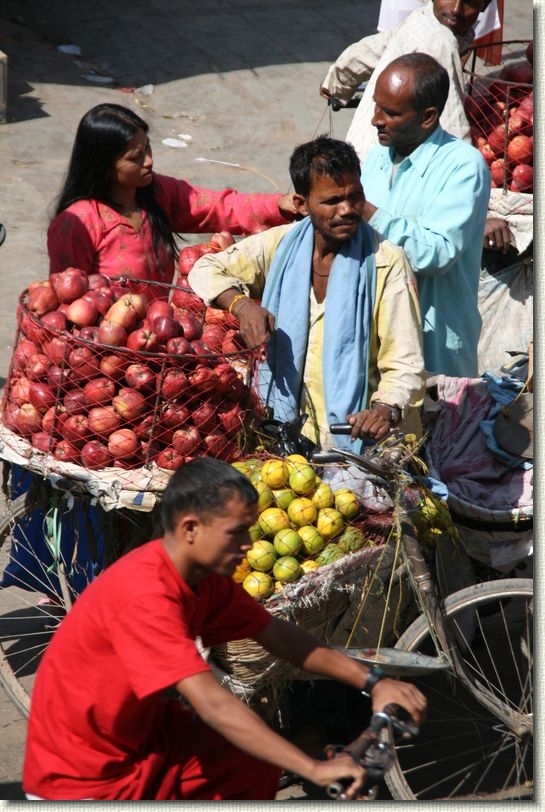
(464, 751)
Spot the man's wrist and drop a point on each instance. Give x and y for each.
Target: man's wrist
(375, 675)
(395, 412)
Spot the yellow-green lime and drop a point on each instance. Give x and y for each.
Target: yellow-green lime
(330, 522)
(272, 520)
(313, 542)
(302, 478)
(265, 498)
(283, 496)
(302, 511)
(308, 566)
(287, 542)
(262, 555)
(259, 585)
(346, 502)
(286, 569)
(256, 532)
(275, 473)
(323, 496)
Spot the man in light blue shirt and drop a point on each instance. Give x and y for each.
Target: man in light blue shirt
(428, 192)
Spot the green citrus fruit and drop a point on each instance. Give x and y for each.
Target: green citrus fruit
(346, 502)
(261, 556)
(272, 520)
(287, 542)
(275, 473)
(286, 569)
(259, 585)
(302, 511)
(329, 522)
(313, 542)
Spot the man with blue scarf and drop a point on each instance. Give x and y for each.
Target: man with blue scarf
(335, 303)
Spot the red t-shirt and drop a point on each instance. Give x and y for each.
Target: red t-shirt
(98, 700)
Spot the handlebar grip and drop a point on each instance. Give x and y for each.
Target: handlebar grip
(337, 788)
(340, 428)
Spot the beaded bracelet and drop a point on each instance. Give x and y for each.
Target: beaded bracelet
(236, 299)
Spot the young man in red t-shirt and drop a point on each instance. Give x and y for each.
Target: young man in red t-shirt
(102, 725)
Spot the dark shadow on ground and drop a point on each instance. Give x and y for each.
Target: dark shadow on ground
(12, 792)
(137, 43)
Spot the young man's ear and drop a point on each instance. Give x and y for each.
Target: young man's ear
(430, 118)
(300, 203)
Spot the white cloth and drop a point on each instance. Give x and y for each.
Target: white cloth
(365, 60)
(393, 12)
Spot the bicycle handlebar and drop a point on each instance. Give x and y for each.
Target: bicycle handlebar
(374, 755)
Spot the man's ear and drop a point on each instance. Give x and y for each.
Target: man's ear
(300, 203)
(430, 118)
(185, 527)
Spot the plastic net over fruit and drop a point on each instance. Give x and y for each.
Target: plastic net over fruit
(500, 109)
(109, 385)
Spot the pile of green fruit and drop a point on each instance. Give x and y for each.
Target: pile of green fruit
(302, 524)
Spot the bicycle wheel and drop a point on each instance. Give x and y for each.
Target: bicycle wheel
(464, 750)
(38, 586)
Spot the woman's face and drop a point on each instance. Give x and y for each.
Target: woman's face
(132, 169)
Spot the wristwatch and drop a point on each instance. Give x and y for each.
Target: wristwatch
(375, 675)
(395, 412)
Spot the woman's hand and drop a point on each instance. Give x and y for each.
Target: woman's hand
(288, 209)
(497, 235)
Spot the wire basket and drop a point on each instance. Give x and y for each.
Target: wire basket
(76, 396)
(499, 107)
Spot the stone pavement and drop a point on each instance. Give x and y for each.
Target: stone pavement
(241, 77)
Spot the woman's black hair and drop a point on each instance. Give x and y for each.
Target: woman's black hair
(203, 486)
(322, 156)
(102, 136)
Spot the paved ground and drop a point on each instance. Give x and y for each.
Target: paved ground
(240, 76)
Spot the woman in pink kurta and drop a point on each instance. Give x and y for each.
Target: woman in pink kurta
(115, 216)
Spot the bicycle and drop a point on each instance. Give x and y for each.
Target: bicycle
(481, 702)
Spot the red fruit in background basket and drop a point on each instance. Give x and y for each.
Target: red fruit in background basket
(82, 312)
(499, 172)
(28, 419)
(232, 342)
(140, 377)
(55, 319)
(43, 442)
(222, 239)
(520, 149)
(174, 415)
(142, 340)
(203, 378)
(58, 377)
(518, 73)
(186, 440)
(97, 281)
(102, 298)
(37, 366)
(69, 284)
(75, 401)
(165, 328)
(213, 336)
(24, 350)
(83, 361)
(173, 384)
(42, 300)
(76, 429)
(103, 420)
(89, 333)
(487, 152)
(497, 139)
(9, 416)
(188, 301)
(54, 418)
(230, 417)
(66, 452)
(56, 350)
(188, 257)
(159, 308)
(99, 391)
(190, 325)
(517, 124)
(215, 443)
(111, 333)
(170, 459)
(95, 455)
(204, 417)
(19, 392)
(129, 403)
(522, 179)
(123, 443)
(42, 396)
(179, 346)
(113, 366)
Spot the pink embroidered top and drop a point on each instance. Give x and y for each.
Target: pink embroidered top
(96, 238)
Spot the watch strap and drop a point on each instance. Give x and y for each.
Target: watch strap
(375, 675)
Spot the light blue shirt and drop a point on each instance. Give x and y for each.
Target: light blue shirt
(436, 211)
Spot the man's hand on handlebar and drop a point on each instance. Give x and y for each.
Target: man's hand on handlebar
(371, 423)
(395, 692)
(342, 766)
